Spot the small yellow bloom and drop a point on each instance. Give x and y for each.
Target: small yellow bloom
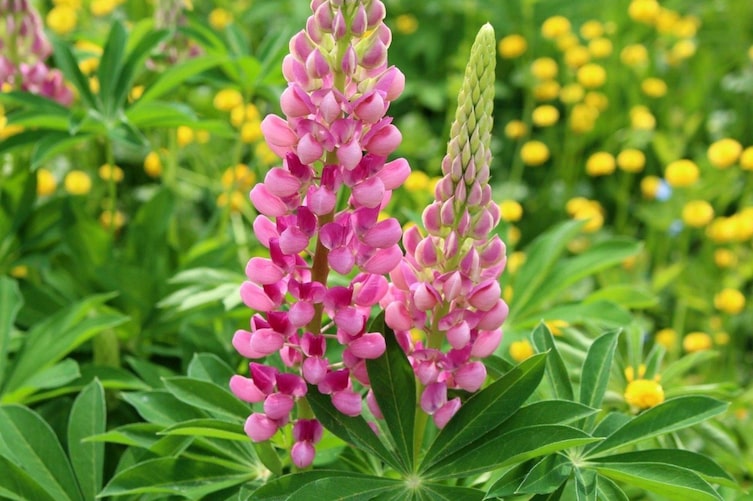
(583, 118)
(19, 271)
(417, 182)
(521, 350)
(544, 68)
(89, 65)
(721, 338)
(682, 49)
(576, 56)
(203, 136)
(724, 153)
(251, 132)
(227, 99)
(516, 129)
(650, 186)
(644, 393)
(591, 29)
(153, 164)
(534, 153)
(46, 183)
(107, 172)
(722, 230)
(510, 210)
(600, 164)
(513, 235)
(667, 338)
(236, 200)
(725, 258)
(77, 182)
(600, 47)
(136, 92)
(730, 301)
(696, 341)
(697, 213)
(239, 177)
(666, 21)
(746, 158)
(634, 55)
(101, 8)
(244, 113)
(507, 293)
(556, 326)
(654, 87)
(571, 93)
(185, 135)
(94, 84)
(407, 24)
(62, 19)
(219, 18)
(512, 46)
(515, 261)
(109, 219)
(585, 209)
(579, 244)
(555, 27)
(686, 27)
(644, 11)
(681, 173)
(545, 115)
(641, 118)
(567, 41)
(591, 76)
(265, 155)
(631, 160)
(546, 91)
(597, 100)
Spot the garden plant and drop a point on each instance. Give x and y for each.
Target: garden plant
(376, 249)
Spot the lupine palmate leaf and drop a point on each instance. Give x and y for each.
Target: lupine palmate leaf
(10, 303)
(208, 396)
(556, 372)
(597, 368)
(88, 418)
(672, 482)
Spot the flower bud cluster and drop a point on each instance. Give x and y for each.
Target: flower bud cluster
(319, 212)
(447, 289)
(23, 50)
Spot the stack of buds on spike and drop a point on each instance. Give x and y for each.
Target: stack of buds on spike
(446, 291)
(23, 51)
(318, 213)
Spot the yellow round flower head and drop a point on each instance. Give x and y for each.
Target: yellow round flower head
(407, 24)
(696, 341)
(724, 153)
(667, 338)
(654, 87)
(730, 301)
(239, 177)
(185, 135)
(556, 326)
(644, 393)
(546, 91)
(153, 164)
(600, 47)
(77, 182)
(219, 19)
(666, 21)
(641, 118)
(513, 235)
(515, 261)
(682, 49)
(265, 154)
(591, 29)
(251, 132)
(591, 76)
(644, 11)
(631, 160)
(725, 258)
(512, 46)
(583, 118)
(515, 129)
(109, 219)
(746, 158)
(697, 213)
(577, 56)
(101, 8)
(534, 153)
(46, 183)
(600, 164)
(571, 93)
(227, 99)
(681, 173)
(545, 115)
(417, 182)
(555, 27)
(544, 68)
(634, 55)
(567, 41)
(62, 19)
(521, 350)
(236, 200)
(108, 172)
(510, 210)
(650, 186)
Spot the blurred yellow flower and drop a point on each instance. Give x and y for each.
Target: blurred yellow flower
(62, 19)
(515, 261)
(571, 93)
(554, 27)
(641, 118)
(46, 183)
(153, 164)
(686, 27)
(89, 65)
(545, 115)
(654, 87)
(236, 200)
(534, 153)
(510, 210)
(567, 41)
(589, 210)
(251, 132)
(600, 47)
(597, 100)
(746, 158)
(547, 90)
(583, 117)
(77, 182)
(667, 338)
(94, 84)
(109, 219)
(600, 164)
(721, 338)
(666, 21)
(644, 11)
(516, 129)
(722, 230)
(19, 271)
(227, 99)
(591, 76)
(513, 235)
(631, 160)
(650, 186)
(591, 29)
(634, 55)
(544, 68)
(512, 46)
(417, 182)
(203, 136)
(730, 301)
(725, 258)
(219, 18)
(576, 56)
(696, 341)
(556, 326)
(644, 393)
(681, 173)
(108, 172)
(185, 135)
(521, 350)
(101, 8)
(244, 113)
(579, 244)
(724, 153)
(406, 24)
(239, 177)
(265, 155)
(681, 50)
(136, 92)
(697, 213)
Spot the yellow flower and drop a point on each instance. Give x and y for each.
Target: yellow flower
(641, 118)
(227, 99)
(136, 92)
(203, 136)
(746, 158)
(109, 219)
(513, 235)
(515, 129)
(219, 18)
(600, 47)
(682, 49)
(686, 27)
(596, 100)
(236, 200)
(571, 93)
(555, 27)
(591, 76)
(591, 29)
(576, 56)
(696, 341)
(512, 46)
(521, 350)
(722, 230)
(579, 244)
(19, 271)
(77, 182)
(239, 177)
(103, 7)
(681, 173)
(644, 11)
(107, 172)
(567, 41)
(583, 117)
(634, 55)
(251, 132)
(406, 24)
(697, 213)
(667, 338)
(244, 113)
(534, 153)
(544, 68)
(666, 21)
(650, 186)
(730, 301)
(556, 326)
(265, 154)
(185, 135)
(510, 210)
(724, 153)
(515, 261)
(153, 164)
(721, 338)
(725, 258)
(62, 19)
(589, 210)
(600, 164)
(546, 91)
(654, 87)
(94, 84)
(89, 65)
(417, 182)
(631, 160)
(644, 393)
(545, 115)
(46, 183)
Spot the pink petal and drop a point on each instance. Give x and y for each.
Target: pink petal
(277, 132)
(369, 193)
(255, 298)
(385, 141)
(267, 203)
(383, 234)
(397, 317)
(373, 405)
(350, 154)
(278, 406)
(263, 271)
(445, 413)
(384, 260)
(314, 369)
(459, 335)
(301, 313)
(470, 376)
(368, 346)
(433, 397)
(267, 341)
(242, 344)
(302, 454)
(486, 343)
(259, 427)
(309, 150)
(293, 241)
(394, 173)
(341, 260)
(494, 318)
(245, 389)
(348, 402)
(281, 182)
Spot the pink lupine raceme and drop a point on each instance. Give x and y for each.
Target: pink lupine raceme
(447, 286)
(334, 140)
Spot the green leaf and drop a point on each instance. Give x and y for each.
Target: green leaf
(279, 489)
(186, 477)
(394, 386)
(556, 372)
(626, 295)
(348, 489)
(29, 442)
(88, 418)
(268, 456)
(596, 370)
(441, 492)
(19, 140)
(11, 302)
(486, 411)
(214, 428)
(66, 61)
(161, 407)
(159, 114)
(552, 496)
(108, 71)
(142, 435)
(607, 490)
(177, 75)
(39, 104)
(17, 484)
(547, 476)
(55, 143)
(507, 484)
(599, 313)
(210, 367)
(673, 482)
(353, 430)
(585, 485)
(57, 375)
(669, 416)
(208, 396)
(548, 412)
(677, 369)
(704, 466)
(133, 62)
(503, 449)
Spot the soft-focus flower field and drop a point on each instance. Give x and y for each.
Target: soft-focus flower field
(131, 136)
